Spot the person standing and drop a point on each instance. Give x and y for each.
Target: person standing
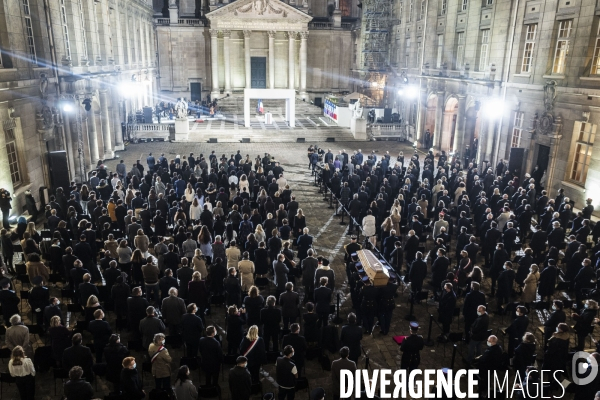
(270, 318)
(5, 207)
(323, 299)
(342, 363)
(286, 375)
(130, 380)
(21, 368)
(77, 388)
(161, 362)
(212, 356)
(191, 330)
(411, 349)
(101, 332)
(446, 310)
(240, 382)
(351, 336)
(478, 332)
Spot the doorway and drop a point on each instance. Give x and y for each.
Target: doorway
(258, 72)
(195, 91)
(543, 156)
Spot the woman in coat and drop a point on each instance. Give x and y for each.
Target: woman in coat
(199, 263)
(141, 242)
(119, 294)
(198, 293)
(246, 271)
(530, 285)
(253, 348)
(253, 303)
(161, 362)
(396, 218)
(236, 319)
(114, 354)
(184, 387)
(35, 267)
(369, 228)
(233, 255)
(60, 338)
(22, 370)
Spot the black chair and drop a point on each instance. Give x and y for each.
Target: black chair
(46, 234)
(99, 370)
(313, 352)
(257, 388)
(176, 341)
(68, 293)
(135, 345)
(74, 308)
(60, 373)
(24, 296)
(55, 278)
(81, 326)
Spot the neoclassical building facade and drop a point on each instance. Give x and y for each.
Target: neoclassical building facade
(58, 57)
(256, 43)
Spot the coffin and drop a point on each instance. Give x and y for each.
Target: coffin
(377, 272)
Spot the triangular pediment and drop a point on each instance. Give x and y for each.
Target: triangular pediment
(257, 12)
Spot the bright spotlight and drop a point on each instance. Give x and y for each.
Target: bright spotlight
(412, 91)
(400, 92)
(67, 107)
(493, 108)
(374, 84)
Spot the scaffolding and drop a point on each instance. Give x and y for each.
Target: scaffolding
(375, 31)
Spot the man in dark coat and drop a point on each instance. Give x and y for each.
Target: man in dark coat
(270, 318)
(583, 281)
(446, 310)
(298, 342)
(478, 332)
(473, 300)
(351, 336)
(9, 301)
(309, 266)
(79, 355)
(212, 356)
(517, 329)
(343, 363)
(557, 316)
(322, 301)
(304, 244)
(136, 310)
(547, 282)
(490, 361)
(191, 330)
(417, 274)
(505, 285)
(240, 382)
(411, 348)
(101, 332)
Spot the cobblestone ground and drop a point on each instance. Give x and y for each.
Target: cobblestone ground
(329, 240)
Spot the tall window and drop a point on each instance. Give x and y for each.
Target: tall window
(562, 46)
(29, 32)
(596, 60)
(443, 7)
(517, 129)
(584, 143)
(460, 49)
(530, 35)
(65, 26)
(410, 10)
(413, 114)
(422, 10)
(463, 5)
(13, 157)
(484, 49)
(401, 8)
(489, 2)
(440, 49)
(83, 33)
(419, 53)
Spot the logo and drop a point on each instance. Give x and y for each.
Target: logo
(584, 368)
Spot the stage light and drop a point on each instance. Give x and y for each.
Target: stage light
(67, 107)
(412, 91)
(493, 108)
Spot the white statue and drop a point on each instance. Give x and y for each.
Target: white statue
(337, 4)
(357, 110)
(172, 3)
(181, 108)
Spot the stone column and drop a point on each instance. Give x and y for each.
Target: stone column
(421, 113)
(459, 142)
(271, 59)
(439, 121)
(291, 59)
(226, 36)
(248, 67)
(303, 57)
(92, 139)
(117, 110)
(105, 118)
(214, 61)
